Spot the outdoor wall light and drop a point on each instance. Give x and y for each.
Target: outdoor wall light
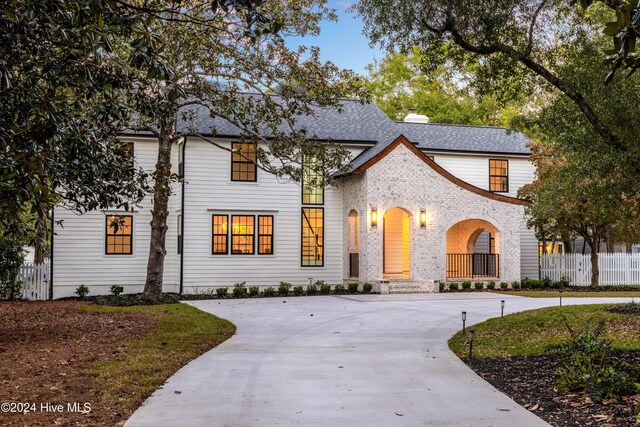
(471, 335)
(464, 320)
(423, 218)
(501, 308)
(374, 217)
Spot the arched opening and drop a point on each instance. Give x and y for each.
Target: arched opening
(353, 243)
(473, 250)
(396, 244)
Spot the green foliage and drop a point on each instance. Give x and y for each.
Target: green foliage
(82, 291)
(504, 285)
(515, 285)
(353, 287)
(478, 285)
(339, 289)
(454, 286)
(628, 308)
(587, 365)
(283, 288)
(298, 290)
(491, 285)
(11, 259)
(466, 285)
(441, 287)
(312, 290)
(367, 288)
(254, 291)
(325, 289)
(239, 290)
(116, 290)
(269, 292)
(222, 292)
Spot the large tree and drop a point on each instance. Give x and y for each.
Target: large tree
(218, 67)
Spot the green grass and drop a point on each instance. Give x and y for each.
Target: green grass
(531, 332)
(181, 334)
(573, 294)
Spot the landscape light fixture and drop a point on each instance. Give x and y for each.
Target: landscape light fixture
(501, 308)
(374, 217)
(464, 320)
(560, 297)
(423, 218)
(471, 335)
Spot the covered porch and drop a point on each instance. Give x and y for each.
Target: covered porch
(473, 250)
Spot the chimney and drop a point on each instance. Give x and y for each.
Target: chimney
(414, 117)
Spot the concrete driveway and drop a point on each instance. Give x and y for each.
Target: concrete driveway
(374, 360)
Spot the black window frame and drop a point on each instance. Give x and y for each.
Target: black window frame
(499, 176)
(271, 235)
(244, 161)
(302, 246)
(232, 235)
(303, 186)
(225, 234)
(107, 234)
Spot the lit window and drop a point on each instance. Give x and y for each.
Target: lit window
(312, 183)
(219, 242)
(265, 234)
(312, 237)
(242, 231)
(499, 176)
(119, 235)
(243, 162)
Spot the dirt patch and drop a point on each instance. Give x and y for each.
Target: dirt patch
(46, 352)
(530, 381)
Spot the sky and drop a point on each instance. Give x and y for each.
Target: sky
(342, 42)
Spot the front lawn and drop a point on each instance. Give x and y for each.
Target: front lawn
(573, 294)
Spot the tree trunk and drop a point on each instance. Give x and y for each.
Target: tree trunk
(41, 237)
(628, 246)
(159, 214)
(609, 242)
(595, 271)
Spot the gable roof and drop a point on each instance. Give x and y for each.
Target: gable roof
(402, 140)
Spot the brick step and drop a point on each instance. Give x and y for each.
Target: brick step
(407, 287)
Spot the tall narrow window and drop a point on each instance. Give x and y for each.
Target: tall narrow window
(312, 183)
(242, 231)
(243, 162)
(265, 234)
(499, 176)
(119, 235)
(219, 243)
(312, 237)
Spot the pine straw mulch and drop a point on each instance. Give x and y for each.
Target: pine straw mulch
(529, 380)
(47, 349)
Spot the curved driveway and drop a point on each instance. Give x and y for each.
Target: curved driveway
(366, 360)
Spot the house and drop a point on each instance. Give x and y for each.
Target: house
(421, 204)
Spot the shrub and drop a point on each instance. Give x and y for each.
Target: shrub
(325, 289)
(478, 285)
(353, 287)
(312, 290)
(515, 285)
(367, 287)
(298, 290)
(116, 290)
(11, 259)
(563, 283)
(269, 292)
(466, 284)
(627, 308)
(222, 292)
(254, 291)
(453, 286)
(339, 289)
(283, 288)
(239, 290)
(491, 285)
(441, 287)
(587, 365)
(546, 283)
(82, 291)
(504, 285)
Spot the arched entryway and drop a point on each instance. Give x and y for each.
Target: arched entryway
(353, 243)
(473, 250)
(396, 244)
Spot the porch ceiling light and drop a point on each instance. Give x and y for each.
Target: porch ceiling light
(374, 217)
(423, 218)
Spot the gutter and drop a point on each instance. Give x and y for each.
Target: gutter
(182, 214)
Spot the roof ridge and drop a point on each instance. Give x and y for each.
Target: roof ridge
(455, 125)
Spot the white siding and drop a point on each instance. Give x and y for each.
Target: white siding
(210, 190)
(79, 254)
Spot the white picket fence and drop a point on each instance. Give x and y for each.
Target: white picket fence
(615, 268)
(35, 278)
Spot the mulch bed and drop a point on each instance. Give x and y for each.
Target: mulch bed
(47, 350)
(530, 382)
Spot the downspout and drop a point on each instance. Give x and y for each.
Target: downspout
(182, 213)
(51, 259)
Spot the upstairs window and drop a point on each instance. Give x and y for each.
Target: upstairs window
(242, 229)
(499, 176)
(312, 183)
(312, 237)
(243, 162)
(119, 235)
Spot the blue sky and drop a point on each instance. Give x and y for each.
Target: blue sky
(342, 42)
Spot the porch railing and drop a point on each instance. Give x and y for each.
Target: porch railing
(461, 266)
